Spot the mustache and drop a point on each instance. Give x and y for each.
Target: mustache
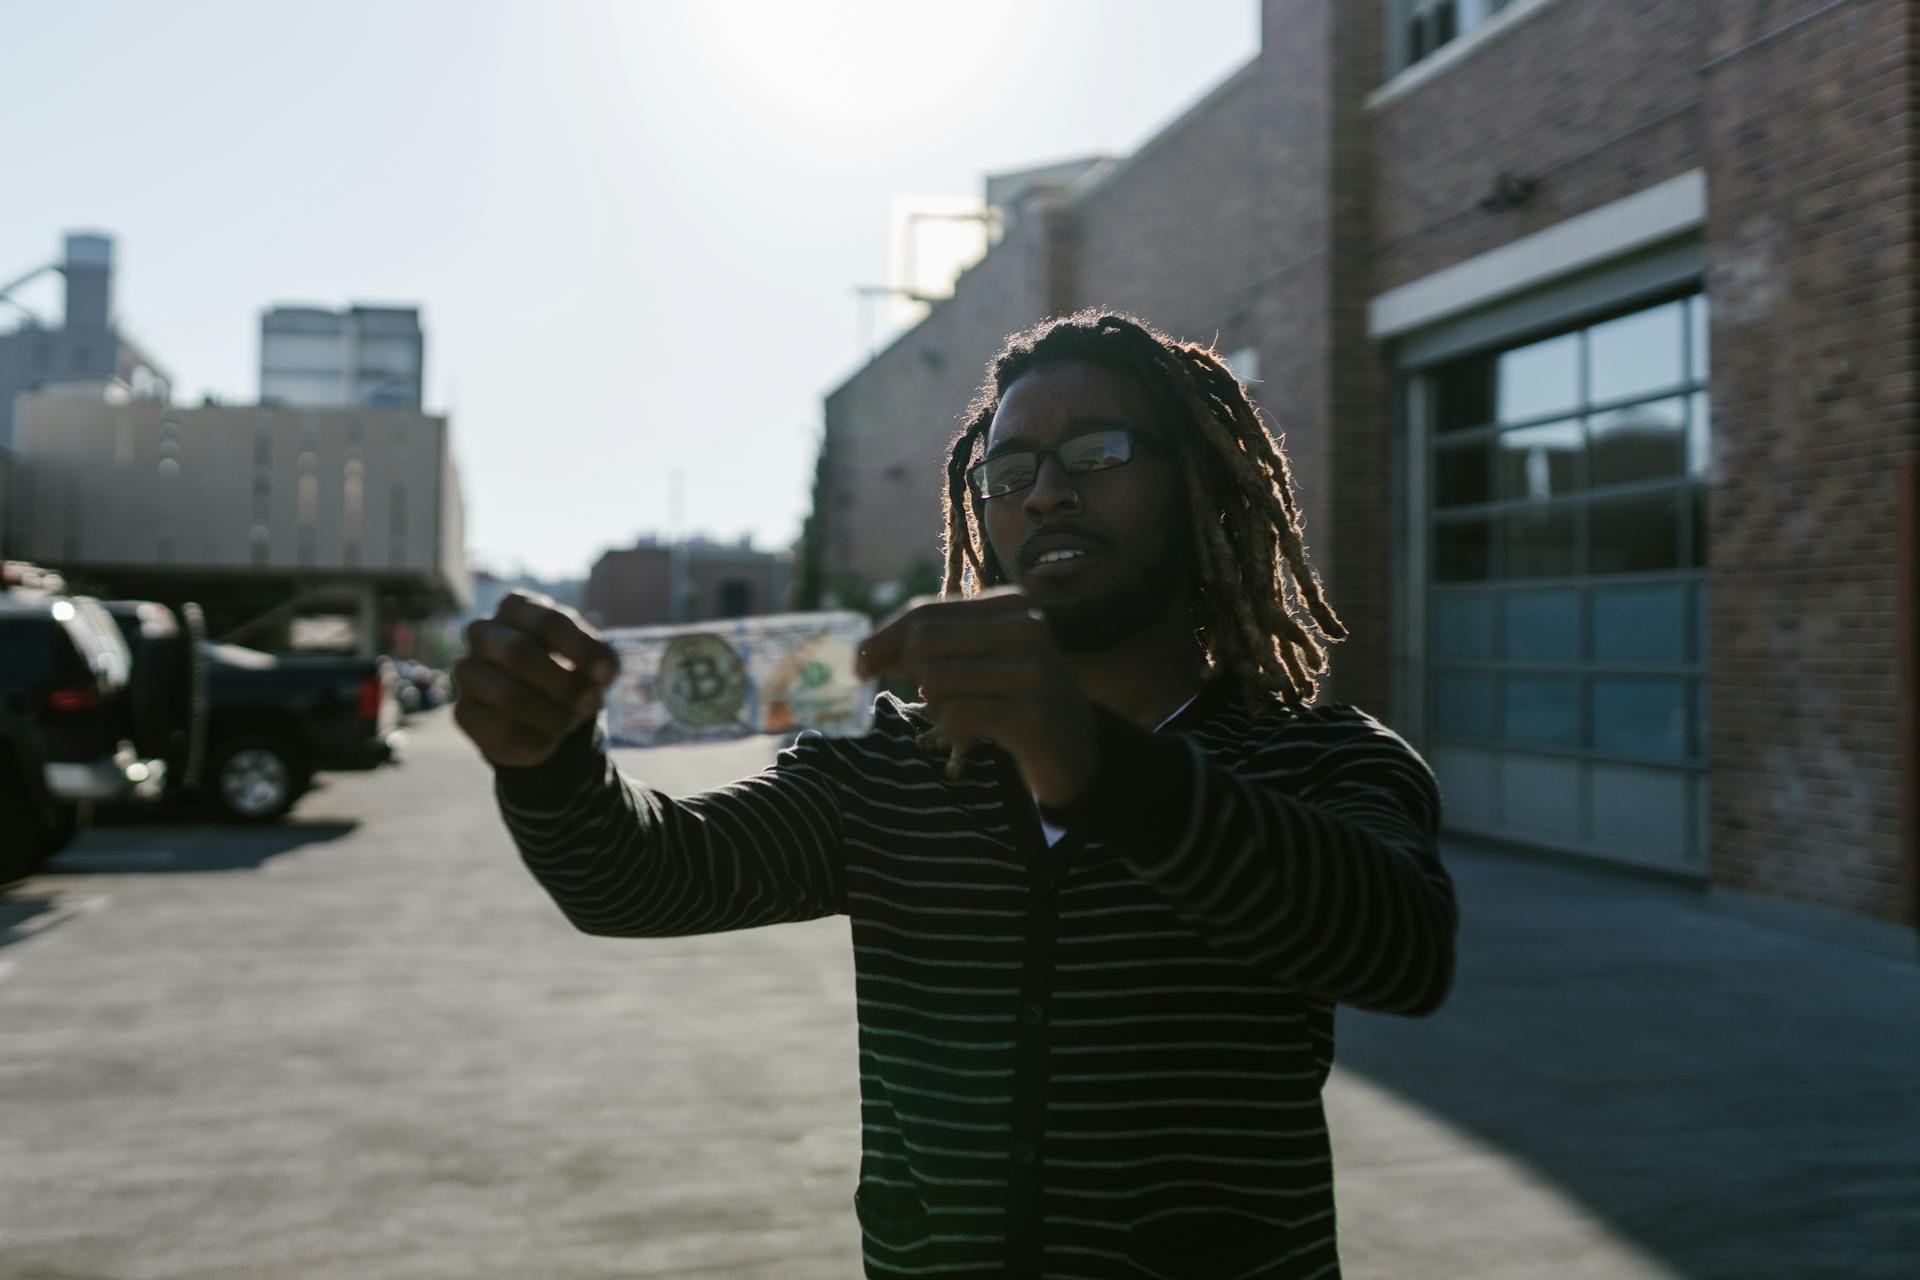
(1057, 530)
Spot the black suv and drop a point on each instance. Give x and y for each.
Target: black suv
(33, 824)
(66, 671)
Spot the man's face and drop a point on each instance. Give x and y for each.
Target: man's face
(1128, 521)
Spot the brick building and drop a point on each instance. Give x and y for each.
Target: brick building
(694, 580)
(1590, 330)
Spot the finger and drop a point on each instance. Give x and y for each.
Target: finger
(501, 740)
(979, 718)
(564, 633)
(528, 660)
(991, 675)
(521, 702)
(881, 651)
(995, 635)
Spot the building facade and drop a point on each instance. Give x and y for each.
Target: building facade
(243, 508)
(695, 580)
(88, 345)
(312, 358)
(1590, 332)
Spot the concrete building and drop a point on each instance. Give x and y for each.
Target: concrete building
(256, 512)
(693, 580)
(1590, 330)
(88, 345)
(312, 358)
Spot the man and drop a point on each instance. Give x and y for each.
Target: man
(1105, 884)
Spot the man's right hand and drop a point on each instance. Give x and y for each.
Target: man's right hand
(534, 672)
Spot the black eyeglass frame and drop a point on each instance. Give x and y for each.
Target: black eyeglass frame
(1135, 438)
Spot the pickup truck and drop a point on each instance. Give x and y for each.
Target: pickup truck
(274, 720)
(249, 729)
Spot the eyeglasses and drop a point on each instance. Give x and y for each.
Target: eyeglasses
(1009, 472)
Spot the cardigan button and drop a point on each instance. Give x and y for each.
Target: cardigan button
(1032, 1014)
(1023, 1153)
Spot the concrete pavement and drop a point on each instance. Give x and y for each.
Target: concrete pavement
(1624, 1073)
(364, 1043)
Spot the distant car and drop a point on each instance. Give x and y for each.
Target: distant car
(65, 669)
(420, 687)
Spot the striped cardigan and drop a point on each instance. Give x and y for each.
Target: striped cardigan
(1099, 1059)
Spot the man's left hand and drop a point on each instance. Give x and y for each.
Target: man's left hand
(991, 672)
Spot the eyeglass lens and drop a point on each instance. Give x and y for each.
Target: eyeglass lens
(1092, 451)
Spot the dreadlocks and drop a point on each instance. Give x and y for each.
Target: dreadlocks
(1245, 522)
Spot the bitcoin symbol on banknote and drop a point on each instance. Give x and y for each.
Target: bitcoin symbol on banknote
(702, 682)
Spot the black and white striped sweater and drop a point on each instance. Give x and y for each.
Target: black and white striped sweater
(1099, 1059)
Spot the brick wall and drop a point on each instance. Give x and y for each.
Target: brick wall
(632, 587)
(1811, 272)
(1284, 201)
(1595, 100)
(888, 426)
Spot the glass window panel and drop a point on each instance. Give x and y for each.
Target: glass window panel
(1542, 709)
(1644, 442)
(1463, 704)
(1462, 623)
(1462, 394)
(1461, 550)
(1541, 542)
(1543, 626)
(1539, 462)
(1636, 354)
(1697, 322)
(1640, 716)
(1697, 516)
(1539, 380)
(1699, 435)
(1540, 796)
(1700, 622)
(1641, 623)
(1636, 535)
(1699, 718)
(1460, 473)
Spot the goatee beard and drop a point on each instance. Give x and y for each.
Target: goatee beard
(1090, 626)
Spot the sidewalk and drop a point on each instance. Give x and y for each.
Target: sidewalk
(1626, 1082)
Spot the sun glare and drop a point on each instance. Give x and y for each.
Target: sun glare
(826, 64)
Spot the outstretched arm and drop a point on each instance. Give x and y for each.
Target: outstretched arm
(617, 857)
(623, 860)
(1316, 861)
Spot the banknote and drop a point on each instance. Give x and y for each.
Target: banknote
(739, 676)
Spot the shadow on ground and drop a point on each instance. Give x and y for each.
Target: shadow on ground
(171, 848)
(173, 810)
(1733, 1100)
(23, 914)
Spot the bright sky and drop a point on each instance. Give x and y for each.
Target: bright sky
(634, 229)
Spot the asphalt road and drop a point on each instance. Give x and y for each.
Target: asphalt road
(364, 1043)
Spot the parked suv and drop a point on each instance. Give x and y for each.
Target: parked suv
(32, 821)
(65, 668)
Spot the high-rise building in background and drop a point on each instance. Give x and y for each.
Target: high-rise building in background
(312, 358)
(86, 346)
